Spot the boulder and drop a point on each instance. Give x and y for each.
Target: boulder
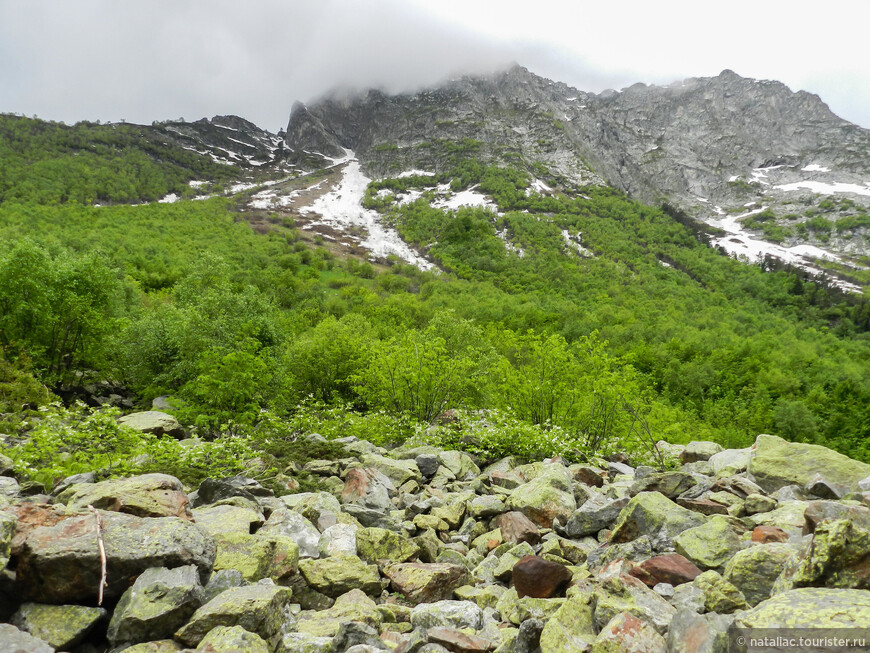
(597, 513)
(539, 578)
(304, 643)
(149, 495)
(458, 642)
(547, 497)
(369, 488)
(776, 463)
(262, 609)
(753, 571)
(628, 634)
(697, 451)
(515, 527)
(624, 593)
(398, 471)
(459, 464)
(671, 484)
(221, 519)
(838, 556)
(767, 534)
(339, 574)
(159, 603)
(447, 614)
(486, 506)
(710, 545)
(730, 462)
(292, 525)
(719, 595)
(18, 641)
(653, 514)
(154, 422)
(380, 546)
(351, 606)
(61, 563)
(232, 639)
(338, 539)
(60, 626)
(264, 555)
(691, 632)
(810, 607)
(671, 568)
(571, 628)
(212, 490)
(422, 582)
(821, 511)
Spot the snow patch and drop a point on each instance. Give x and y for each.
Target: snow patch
(822, 188)
(575, 242)
(172, 198)
(238, 188)
(538, 186)
(468, 197)
(416, 173)
(815, 167)
(196, 184)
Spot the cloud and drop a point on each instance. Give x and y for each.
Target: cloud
(104, 59)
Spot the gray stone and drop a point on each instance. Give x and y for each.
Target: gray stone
(699, 451)
(428, 464)
(691, 632)
(338, 539)
(452, 614)
(293, 525)
(154, 422)
(597, 513)
(61, 626)
(232, 639)
(18, 641)
(221, 581)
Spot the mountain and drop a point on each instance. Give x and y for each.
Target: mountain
(771, 171)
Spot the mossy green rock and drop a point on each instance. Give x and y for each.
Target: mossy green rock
(159, 602)
(719, 595)
(789, 516)
(549, 496)
(352, 606)
(148, 495)
(459, 464)
(839, 556)
(339, 574)
(398, 471)
(627, 594)
(232, 639)
(422, 582)
(776, 463)
(653, 514)
(516, 610)
(304, 643)
(378, 545)
(223, 519)
(7, 531)
(61, 626)
(754, 570)
(710, 545)
(159, 646)
(261, 609)
(257, 556)
(486, 596)
(810, 607)
(571, 628)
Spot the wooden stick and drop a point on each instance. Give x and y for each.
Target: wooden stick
(102, 548)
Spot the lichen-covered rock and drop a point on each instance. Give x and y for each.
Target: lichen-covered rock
(61, 626)
(820, 511)
(18, 641)
(351, 606)
(788, 515)
(547, 497)
(220, 519)
(261, 609)
(719, 595)
(380, 546)
(263, 555)
(459, 464)
(449, 614)
(398, 471)
(810, 607)
(754, 570)
(158, 646)
(290, 524)
(148, 495)
(338, 539)
(159, 603)
(304, 643)
(422, 582)
(232, 639)
(699, 450)
(155, 422)
(625, 633)
(627, 594)
(339, 574)
(691, 632)
(596, 513)
(486, 506)
(776, 463)
(571, 628)
(710, 545)
(653, 514)
(838, 556)
(61, 564)
(7, 531)
(671, 484)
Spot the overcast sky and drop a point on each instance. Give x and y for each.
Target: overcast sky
(158, 59)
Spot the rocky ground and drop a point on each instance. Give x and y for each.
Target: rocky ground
(419, 550)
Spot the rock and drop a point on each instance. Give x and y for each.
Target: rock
(7, 531)
(159, 646)
(753, 571)
(86, 477)
(694, 633)
(757, 503)
(398, 471)
(820, 487)
(710, 545)
(428, 464)
(459, 464)
(628, 634)
(730, 462)
(458, 642)
(352, 606)
(635, 551)
(627, 594)
(655, 515)
(838, 557)
(591, 476)
(213, 490)
(529, 636)
(352, 634)
(66, 554)
(9, 488)
(221, 581)
(703, 506)
(810, 607)
(453, 511)
(767, 534)
(575, 552)
(263, 555)
(422, 582)
(538, 578)
(149, 495)
(615, 468)
(688, 597)
(218, 520)
(820, 511)
(697, 451)
(788, 516)
(547, 497)
(719, 595)
(232, 639)
(304, 643)
(159, 603)
(486, 506)
(507, 557)
(516, 610)
(671, 484)
(369, 488)
(338, 539)
(671, 568)
(449, 614)
(294, 526)
(515, 527)
(261, 609)
(61, 626)
(596, 513)
(18, 641)
(380, 546)
(776, 463)
(339, 574)
(154, 422)
(571, 628)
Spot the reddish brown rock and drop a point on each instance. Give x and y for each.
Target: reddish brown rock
(628, 634)
(516, 527)
(669, 568)
(767, 534)
(539, 578)
(30, 516)
(703, 506)
(457, 641)
(423, 582)
(356, 485)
